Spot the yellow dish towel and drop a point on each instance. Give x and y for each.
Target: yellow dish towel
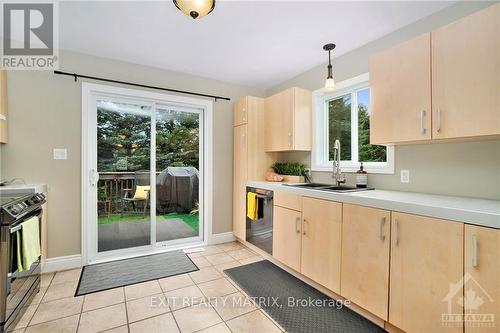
(28, 244)
(252, 206)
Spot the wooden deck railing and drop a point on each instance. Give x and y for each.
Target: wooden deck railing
(112, 186)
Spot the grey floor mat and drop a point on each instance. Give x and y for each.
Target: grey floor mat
(264, 279)
(124, 272)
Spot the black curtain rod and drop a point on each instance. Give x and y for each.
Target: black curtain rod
(76, 76)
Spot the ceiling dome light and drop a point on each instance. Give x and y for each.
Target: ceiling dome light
(329, 83)
(195, 8)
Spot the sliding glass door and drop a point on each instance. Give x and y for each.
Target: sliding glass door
(146, 175)
(178, 154)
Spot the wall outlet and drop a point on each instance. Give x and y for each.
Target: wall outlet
(405, 176)
(60, 153)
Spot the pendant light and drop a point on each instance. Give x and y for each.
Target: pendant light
(329, 83)
(195, 8)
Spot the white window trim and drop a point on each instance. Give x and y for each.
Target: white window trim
(319, 156)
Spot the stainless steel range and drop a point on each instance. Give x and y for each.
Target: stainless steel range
(16, 288)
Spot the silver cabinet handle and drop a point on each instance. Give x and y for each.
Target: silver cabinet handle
(382, 225)
(304, 229)
(422, 124)
(297, 225)
(396, 232)
(474, 251)
(438, 120)
(289, 139)
(244, 114)
(243, 140)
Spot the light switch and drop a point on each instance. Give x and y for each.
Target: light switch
(405, 176)
(60, 154)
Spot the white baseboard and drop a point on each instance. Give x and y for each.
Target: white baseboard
(62, 263)
(224, 237)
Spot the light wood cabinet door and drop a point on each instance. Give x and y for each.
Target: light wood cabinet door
(466, 76)
(321, 242)
(287, 236)
(365, 258)
(288, 121)
(239, 180)
(302, 119)
(240, 111)
(482, 282)
(426, 270)
(3, 107)
(287, 200)
(400, 93)
(279, 121)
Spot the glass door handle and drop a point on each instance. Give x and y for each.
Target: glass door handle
(94, 177)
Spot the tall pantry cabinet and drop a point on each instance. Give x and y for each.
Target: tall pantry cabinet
(250, 161)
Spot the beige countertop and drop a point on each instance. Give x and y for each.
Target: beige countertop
(468, 210)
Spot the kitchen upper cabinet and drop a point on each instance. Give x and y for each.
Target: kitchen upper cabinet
(288, 121)
(287, 236)
(400, 90)
(240, 169)
(466, 76)
(426, 259)
(240, 111)
(482, 267)
(3, 107)
(365, 258)
(321, 242)
(250, 161)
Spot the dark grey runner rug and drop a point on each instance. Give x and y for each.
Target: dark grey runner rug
(278, 287)
(119, 273)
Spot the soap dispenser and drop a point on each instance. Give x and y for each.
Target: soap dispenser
(361, 177)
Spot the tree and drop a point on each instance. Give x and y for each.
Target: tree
(368, 152)
(123, 140)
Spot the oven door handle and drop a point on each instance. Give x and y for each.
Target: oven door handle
(17, 227)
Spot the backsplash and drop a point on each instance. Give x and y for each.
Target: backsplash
(468, 169)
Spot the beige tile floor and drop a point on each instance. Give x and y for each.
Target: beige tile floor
(203, 301)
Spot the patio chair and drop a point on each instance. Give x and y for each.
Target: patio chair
(139, 194)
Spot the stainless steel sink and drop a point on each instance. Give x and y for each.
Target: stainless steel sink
(309, 185)
(330, 187)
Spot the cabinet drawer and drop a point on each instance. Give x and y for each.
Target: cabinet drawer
(287, 200)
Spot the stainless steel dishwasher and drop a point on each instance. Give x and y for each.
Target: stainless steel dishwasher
(260, 231)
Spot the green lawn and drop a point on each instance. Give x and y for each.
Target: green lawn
(192, 220)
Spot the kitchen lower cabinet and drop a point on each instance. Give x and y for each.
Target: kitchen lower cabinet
(365, 258)
(321, 242)
(287, 236)
(482, 282)
(426, 272)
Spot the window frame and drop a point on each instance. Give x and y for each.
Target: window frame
(320, 157)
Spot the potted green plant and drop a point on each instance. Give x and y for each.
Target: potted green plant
(291, 172)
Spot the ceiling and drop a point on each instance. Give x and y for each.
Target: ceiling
(253, 43)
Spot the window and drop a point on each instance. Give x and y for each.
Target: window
(345, 116)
